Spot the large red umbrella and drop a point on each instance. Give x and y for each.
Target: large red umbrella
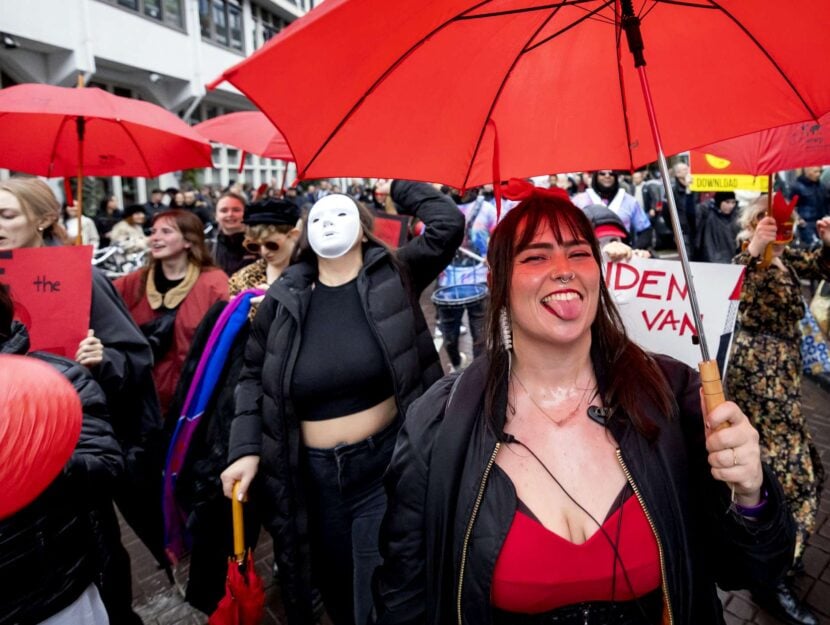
(786, 147)
(250, 131)
(59, 131)
(458, 90)
(40, 422)
(414, 89)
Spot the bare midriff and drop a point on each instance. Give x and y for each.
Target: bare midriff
(349, 429)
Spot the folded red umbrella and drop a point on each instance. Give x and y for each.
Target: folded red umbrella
(40, 422)
(244, 600)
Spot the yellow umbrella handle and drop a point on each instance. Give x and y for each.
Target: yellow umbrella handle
(238, 526)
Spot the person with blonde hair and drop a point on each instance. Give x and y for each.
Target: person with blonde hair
(764, 377)
(272, 229)
(119, 358)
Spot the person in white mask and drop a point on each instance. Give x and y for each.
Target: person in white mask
(338, 351)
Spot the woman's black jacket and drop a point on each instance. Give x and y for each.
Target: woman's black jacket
(265, 422)
(450, 508)
(47, 549)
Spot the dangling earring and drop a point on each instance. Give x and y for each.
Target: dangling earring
(507, 343)
(506, 332)
(40, 228)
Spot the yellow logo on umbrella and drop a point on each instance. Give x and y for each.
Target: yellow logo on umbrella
(717, 162)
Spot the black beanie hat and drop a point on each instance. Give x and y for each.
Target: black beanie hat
(271, 212)
(132, 209)
(722, 196)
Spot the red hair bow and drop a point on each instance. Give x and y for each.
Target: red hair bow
(520, 190)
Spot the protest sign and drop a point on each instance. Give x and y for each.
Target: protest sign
(52, 292)
(653, 300)
(391, 229)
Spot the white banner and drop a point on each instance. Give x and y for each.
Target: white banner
(653, 300)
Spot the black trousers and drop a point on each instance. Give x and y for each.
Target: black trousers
(347, 502)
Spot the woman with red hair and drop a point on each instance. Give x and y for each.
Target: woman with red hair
(170, 296)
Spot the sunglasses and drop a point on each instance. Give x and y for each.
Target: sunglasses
(254, 247)
(605, 173)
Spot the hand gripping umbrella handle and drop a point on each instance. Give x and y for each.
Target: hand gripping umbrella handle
(238, 526)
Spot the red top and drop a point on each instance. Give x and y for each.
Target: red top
(526, 581)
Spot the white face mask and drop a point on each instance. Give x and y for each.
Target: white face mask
(333, 226)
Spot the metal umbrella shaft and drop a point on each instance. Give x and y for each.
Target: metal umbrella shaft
(80, 126)
(709, 372)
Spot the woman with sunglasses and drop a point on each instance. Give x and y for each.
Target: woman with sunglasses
(272, 228)
(338, 351)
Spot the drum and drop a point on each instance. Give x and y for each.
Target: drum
(459, 294)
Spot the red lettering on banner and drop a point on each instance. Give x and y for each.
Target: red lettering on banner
(649, 277)
(674, 285)
(669, 320)
(688, 325)
(618, 283)
(665, 318)
(650, 322)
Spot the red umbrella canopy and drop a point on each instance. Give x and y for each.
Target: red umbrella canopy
(40, 422)
(38, 132)
(406, 89)
(250, 131)
(786, 147)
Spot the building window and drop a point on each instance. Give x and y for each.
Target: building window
(266, 24)
(166, 11)
(221, 22)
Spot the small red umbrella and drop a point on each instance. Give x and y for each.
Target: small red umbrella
(250, 131)
(40, 422)
(244, 600)
(42, 127)
(59, 131)
(786, 147)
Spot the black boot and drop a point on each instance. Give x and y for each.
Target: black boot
(785, 605)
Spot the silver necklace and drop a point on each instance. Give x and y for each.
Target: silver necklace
(567, 417)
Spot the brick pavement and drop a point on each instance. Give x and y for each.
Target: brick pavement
(159, 604)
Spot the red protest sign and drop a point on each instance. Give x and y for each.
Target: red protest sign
(391, 229)
(52, 292)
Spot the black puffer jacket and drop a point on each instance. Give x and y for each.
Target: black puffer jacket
(451, 506)
(46, 549)
(266, 425)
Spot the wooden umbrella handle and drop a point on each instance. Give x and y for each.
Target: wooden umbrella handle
(766, 261)
(238, 526)
(712, 387)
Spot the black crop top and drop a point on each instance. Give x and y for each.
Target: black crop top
(340, 368)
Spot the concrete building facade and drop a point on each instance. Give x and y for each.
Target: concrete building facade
(162, 51)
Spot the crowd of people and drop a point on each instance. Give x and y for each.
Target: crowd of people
(394, 493)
